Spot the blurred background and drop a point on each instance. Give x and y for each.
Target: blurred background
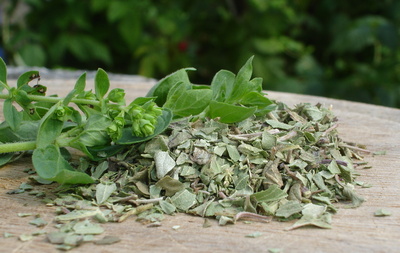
(333, 48)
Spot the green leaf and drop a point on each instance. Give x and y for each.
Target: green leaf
(96, 153)
(50, 165)
(163, 122)
(162, 88)
(164, 163)
(33, 54)
(87, 48)
(21, 97)
(229, 113)
(141, 100)
(183, 200)
(50, 128)
(101, 84)
(255, 99)
(26, 77)
(184, 102)
(170, 185)
(314, 215)
(3, 71)
(278, 124)
(273, 193)
(12, 116)
(38, 222)
(85, 227)
(26, 131)
(94, 132)
(242, 83)
(6, 158)
(382, 212)
(222, 85)
(3, 85)
(78, 88)
(104, 191)
(175, 92)
(167, 207)
(289, 208)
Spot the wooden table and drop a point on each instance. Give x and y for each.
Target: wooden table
(354, 230)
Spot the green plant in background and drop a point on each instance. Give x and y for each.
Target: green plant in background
(330, 48)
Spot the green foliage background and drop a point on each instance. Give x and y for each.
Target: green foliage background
(334, 48)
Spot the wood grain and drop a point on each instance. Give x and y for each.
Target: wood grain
(354, 230)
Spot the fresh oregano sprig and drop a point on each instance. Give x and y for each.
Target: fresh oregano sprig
(230, 98)
(47, 124)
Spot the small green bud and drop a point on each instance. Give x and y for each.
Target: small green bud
(87, 95)
(146, 127)
(136, 128)
(62, 112)
(136, 112)
(153, 109)
(119, 121)
(151, 118)
(113, 113)
(114, 131)
(117, 95)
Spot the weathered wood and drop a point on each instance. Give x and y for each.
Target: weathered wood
(354, 230)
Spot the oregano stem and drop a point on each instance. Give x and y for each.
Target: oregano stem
(17, 146)
(38, 98)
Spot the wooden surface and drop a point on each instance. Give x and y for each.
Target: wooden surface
(354, 230)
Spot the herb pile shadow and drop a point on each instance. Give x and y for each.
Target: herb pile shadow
(223, 150)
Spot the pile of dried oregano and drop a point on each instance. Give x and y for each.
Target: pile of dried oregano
(289, 164)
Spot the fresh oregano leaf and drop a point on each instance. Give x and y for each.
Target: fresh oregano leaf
(50, 128)
(101, 84)
(162, 88)
(12, 116)
(25, 78)
(242, 83)
(228, 113)
(222, 85)
(79, 87)
(50, 165)
(94, 132)
(255, 99)
(6, 158)
(189, 102)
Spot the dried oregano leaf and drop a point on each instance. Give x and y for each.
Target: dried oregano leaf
(104, 191)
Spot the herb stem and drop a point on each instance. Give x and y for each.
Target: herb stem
(355, 148)
(17, 146)
(146, 201)
(288, 136)
(252, 216)
(329, 130)
(38, 98)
